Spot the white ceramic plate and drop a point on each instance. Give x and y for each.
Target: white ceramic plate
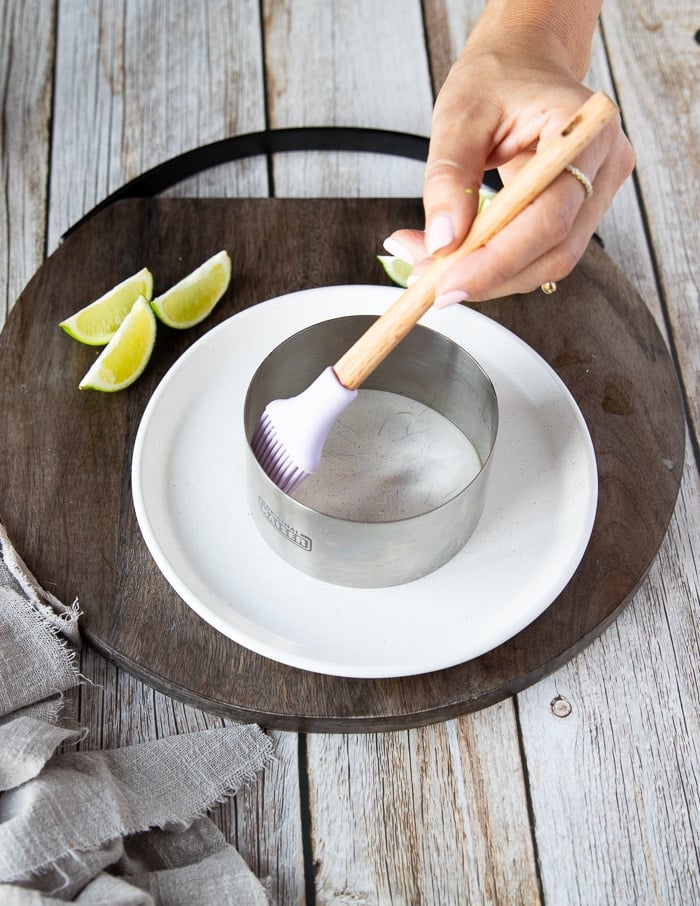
(189, 494)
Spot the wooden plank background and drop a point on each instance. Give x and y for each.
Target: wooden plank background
(582, 789)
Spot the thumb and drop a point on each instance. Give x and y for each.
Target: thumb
(453, 176)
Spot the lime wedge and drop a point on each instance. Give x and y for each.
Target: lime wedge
(127, 353)
(194, 297)
(97, 323)
(396, 269)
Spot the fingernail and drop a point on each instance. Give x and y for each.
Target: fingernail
(440, 233)
(444, 300)
(411, 279)
(397, 250)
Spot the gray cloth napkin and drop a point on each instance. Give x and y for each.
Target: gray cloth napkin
(126, 826)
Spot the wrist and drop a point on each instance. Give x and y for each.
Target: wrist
(546, 34)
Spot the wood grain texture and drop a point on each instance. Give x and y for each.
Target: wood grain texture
(638, 750)
(139, 83)
(340, 64)
(264, 823)
(26, 91)
(434, 815)
(655, 56)
(638, 437)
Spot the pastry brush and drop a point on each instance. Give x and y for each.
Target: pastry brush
(289, 438)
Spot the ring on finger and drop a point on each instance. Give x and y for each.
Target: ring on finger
(582, 178)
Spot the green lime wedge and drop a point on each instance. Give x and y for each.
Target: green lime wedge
(194, 297)
(127, 353)
(396, 269)
(97, 323)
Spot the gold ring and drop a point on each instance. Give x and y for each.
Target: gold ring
(549, 287)
(582, 178)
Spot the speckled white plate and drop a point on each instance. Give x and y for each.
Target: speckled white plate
(189, 494)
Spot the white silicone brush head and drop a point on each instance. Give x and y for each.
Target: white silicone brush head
(288, 441)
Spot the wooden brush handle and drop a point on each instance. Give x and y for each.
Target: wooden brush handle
(550, 159)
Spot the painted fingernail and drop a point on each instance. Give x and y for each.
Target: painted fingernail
(441, 232)
(444, 300)
(397, 250)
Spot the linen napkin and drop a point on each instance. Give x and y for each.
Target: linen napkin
(125, 827)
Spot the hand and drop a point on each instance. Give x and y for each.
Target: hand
(500, 99)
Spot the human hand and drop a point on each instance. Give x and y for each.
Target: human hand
(501, 98)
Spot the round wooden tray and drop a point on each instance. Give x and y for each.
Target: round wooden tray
(65, 493)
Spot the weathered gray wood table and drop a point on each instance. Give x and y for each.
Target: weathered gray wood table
(584, 787)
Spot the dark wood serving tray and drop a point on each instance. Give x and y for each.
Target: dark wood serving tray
(65, 494)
